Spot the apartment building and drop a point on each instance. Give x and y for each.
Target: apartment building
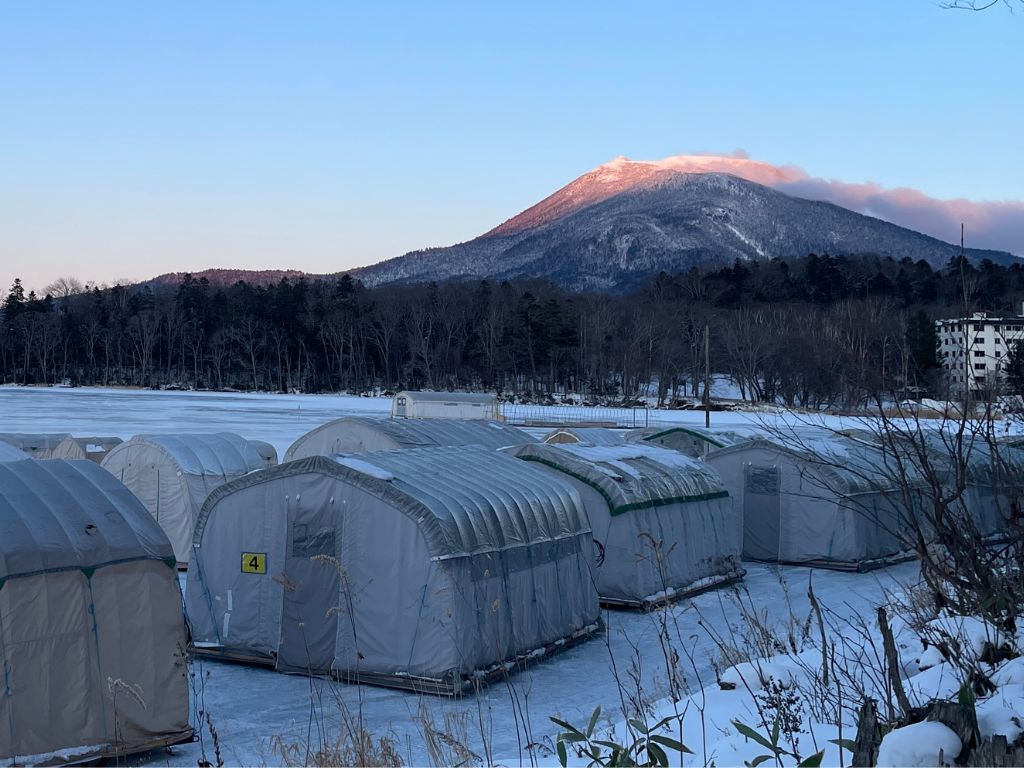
(973, 349)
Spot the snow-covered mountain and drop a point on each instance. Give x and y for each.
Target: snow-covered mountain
(626, 220)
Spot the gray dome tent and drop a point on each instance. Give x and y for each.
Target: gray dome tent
(173, 474)
(10, 453)
(38, 446)
(426, 569)
(809, 497)
(357, 434)
(691, 441)
(91, 448)
(588, 435)
(88, 596)
(664, 521)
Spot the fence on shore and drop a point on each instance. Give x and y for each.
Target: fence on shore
(574, 415)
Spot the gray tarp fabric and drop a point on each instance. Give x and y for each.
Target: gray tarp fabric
(173, 474)
(665, 521)
(91, 448)
(38, 446)
(815, 499)
(992, 471)
(267, 452)
(401, 567)
(10, 453)
(692, 441)
(357, 434)
(588, 435)
(92, 637)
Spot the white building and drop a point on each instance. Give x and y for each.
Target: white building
(444, 405)
(973, 350)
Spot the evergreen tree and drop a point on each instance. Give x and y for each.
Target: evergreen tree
(923, 344)
(1013, 368)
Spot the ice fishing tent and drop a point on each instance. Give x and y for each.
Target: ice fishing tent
(444, 405)
(664, 521)
(38, 446)
(692, 441)
(267, 452)
(814, 498)
(91, 448)
(356, 434)
(992, 471)
(588, 435)
(173, 475)
(425, 569)
(92, 637)
(10, 453)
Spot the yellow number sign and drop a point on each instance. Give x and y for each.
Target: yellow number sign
(254, 562)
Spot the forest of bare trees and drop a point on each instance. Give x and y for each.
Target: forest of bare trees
(815, 331)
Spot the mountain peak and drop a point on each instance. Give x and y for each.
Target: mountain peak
(621, 174)
(628, 219)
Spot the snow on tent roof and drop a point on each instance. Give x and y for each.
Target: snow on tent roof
(423, 433)
(853, 465)
(631, 476)
(222, 453)
(715, 438)
(467, 500)
(588, 435)
(61, 515)
(448, 397)
(9, 453)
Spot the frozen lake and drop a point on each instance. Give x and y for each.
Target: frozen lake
(249, 706)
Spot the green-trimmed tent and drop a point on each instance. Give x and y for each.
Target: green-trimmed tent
(692, 441)
(812, 497)
(664, 521)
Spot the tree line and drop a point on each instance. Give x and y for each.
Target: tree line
(812, 331)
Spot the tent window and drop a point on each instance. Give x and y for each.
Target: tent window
(762, 480)
(306, 543)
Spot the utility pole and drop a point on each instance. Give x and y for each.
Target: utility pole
(707, 377)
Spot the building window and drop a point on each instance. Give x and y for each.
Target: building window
(979, 366)
(998, 353)
(979, 353)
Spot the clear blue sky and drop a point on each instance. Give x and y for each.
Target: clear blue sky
(145, 137)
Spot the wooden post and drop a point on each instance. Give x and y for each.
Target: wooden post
(707, 377)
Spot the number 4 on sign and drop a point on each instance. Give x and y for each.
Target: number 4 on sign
(254, 562)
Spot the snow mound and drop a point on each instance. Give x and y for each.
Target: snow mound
(919, 744)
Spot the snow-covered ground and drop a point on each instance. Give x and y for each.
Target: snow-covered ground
(250, 706)
(277, 419)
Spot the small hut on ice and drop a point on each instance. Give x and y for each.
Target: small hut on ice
(691, 441)
(428, 569)
(586, 435)
(92, 448)
(664, 521)
(358, 434)
(173, 474)
(444, 405)
(814, 498)
(38, 446)
(92, 638)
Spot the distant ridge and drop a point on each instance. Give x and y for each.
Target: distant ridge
(222, 278)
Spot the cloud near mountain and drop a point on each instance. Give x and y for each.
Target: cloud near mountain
(988, 224)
